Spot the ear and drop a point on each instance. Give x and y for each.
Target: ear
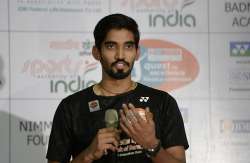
(138, 52)
(96, 53)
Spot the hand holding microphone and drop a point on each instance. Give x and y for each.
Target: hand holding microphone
(111, 121)
(106, 138)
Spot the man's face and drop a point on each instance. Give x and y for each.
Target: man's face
(118, 53)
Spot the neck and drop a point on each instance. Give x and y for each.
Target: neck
(111, 88)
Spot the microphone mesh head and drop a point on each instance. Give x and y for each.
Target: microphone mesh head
(111, 118)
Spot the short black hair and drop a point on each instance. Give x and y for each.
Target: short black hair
(115, 21)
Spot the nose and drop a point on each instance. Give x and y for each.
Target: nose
(120, 53)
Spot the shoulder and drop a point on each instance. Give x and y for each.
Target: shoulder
(78, 96)
(74, 102)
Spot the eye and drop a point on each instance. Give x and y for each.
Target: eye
(110, 45)
(129, 45)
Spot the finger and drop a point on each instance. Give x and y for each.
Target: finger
(109, 132)
(107, 147)
(140, 119)
(125, 106)
(123, 119)
(108, 129)
(149, 115)
(137, 115)
(125, 129)
(110, 135)
(110, 140)
(122, 114)
(131, 117)
(128, 118)
(129, 113)
(137, 119)
(125, 109)
(129, 124)
(131, 106)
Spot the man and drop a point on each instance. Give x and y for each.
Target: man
(151, 127)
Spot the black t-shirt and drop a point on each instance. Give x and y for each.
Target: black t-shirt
(79, 116)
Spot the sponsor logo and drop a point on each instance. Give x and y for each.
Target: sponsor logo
(59, 2)
(235, 126)
(64, 66)
(144, 99)
(172, 20)
(66, 73)
(156, 5)
(239, 76)
(163, 13)
(166, 65)
(239, 48)
(85, 47)
(70, 86)
(239, 80)
(57, 6)
(34, 132)
(240, 11)
(57, 68)
(34, 126)
(94, 106)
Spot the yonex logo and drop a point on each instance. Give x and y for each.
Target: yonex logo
(240, 48)
(144, 99)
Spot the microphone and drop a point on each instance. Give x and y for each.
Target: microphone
(112, 120)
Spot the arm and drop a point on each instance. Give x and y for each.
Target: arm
(174, 154)
(105, 139)
(61, 139)
(143, 132)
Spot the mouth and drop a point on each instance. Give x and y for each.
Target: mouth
(120, 64)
